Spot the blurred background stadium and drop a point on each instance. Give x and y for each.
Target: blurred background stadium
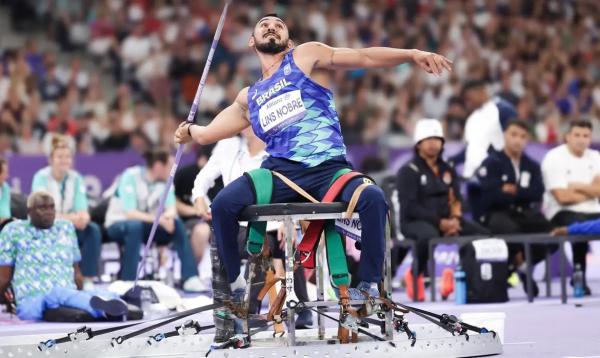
(120, 75)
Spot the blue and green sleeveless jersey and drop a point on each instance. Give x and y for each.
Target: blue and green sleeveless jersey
(295, 116)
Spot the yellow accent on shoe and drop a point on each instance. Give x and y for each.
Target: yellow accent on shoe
(514, 280)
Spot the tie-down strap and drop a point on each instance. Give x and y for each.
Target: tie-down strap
(262, 184)
(308, 246)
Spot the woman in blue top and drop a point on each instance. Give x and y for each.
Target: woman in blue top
(67, 188)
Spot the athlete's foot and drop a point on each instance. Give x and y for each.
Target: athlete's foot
(224, 325)
(304, 319)
(239, 309)
(237, 296)
(359, 293)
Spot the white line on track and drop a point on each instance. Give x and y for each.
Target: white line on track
(517, 343)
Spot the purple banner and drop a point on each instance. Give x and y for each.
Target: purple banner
(446, 256)
(99, 170)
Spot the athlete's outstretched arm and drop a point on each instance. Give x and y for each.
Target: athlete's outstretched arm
(227, 123)
(327, 57)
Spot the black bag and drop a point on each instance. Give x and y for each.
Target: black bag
(485, 263)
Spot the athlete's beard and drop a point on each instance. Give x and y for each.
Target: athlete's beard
(271, 47)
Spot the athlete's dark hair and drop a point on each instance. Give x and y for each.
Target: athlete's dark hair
(270, 15)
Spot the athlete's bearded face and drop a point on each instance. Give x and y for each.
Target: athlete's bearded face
(270, 36)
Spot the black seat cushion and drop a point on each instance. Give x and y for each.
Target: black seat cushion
(251, 212)
(69, 314)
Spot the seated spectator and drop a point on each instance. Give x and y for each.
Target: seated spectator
(513, 187)
(14, 104)
(39, 258)
(184, 183)
(430, 200)
(50, 87)
(131, 212)
(8, 124)
(67, 188)
(572, 178)
(5, 214)
(62, 121)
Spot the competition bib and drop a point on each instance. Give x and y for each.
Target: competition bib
(281, 111)
(350, 228)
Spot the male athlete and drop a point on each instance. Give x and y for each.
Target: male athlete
(292, 110)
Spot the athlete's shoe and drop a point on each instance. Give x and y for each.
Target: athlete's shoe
(237, 341)
(224, 325)
(304, 319)
(358, 293)
(237, 296)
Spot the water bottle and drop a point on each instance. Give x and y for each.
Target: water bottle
(578, 290)
(146, 301)
(460, 286)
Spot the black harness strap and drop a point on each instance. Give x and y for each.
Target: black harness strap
(445, 321)
(85, 333)
(190, 327)
(300, 306)
(121, 339)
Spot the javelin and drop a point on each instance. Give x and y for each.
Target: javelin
(190, 119)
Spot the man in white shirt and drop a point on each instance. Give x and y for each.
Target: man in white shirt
(485, 125)
(572, 179)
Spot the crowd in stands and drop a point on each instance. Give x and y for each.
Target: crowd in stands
(539, 58)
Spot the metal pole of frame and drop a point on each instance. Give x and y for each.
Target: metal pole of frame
(320, 288)
(529, 272)
(431, 271)
(290, 294)
(387, 280)
(563, 274)
(548, 274)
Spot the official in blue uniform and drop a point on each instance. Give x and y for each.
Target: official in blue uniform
(513, 187)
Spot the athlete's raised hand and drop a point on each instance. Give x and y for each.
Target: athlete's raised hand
(432, 62)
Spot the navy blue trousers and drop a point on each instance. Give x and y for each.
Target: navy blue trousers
(371, 208)
(131, 233)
